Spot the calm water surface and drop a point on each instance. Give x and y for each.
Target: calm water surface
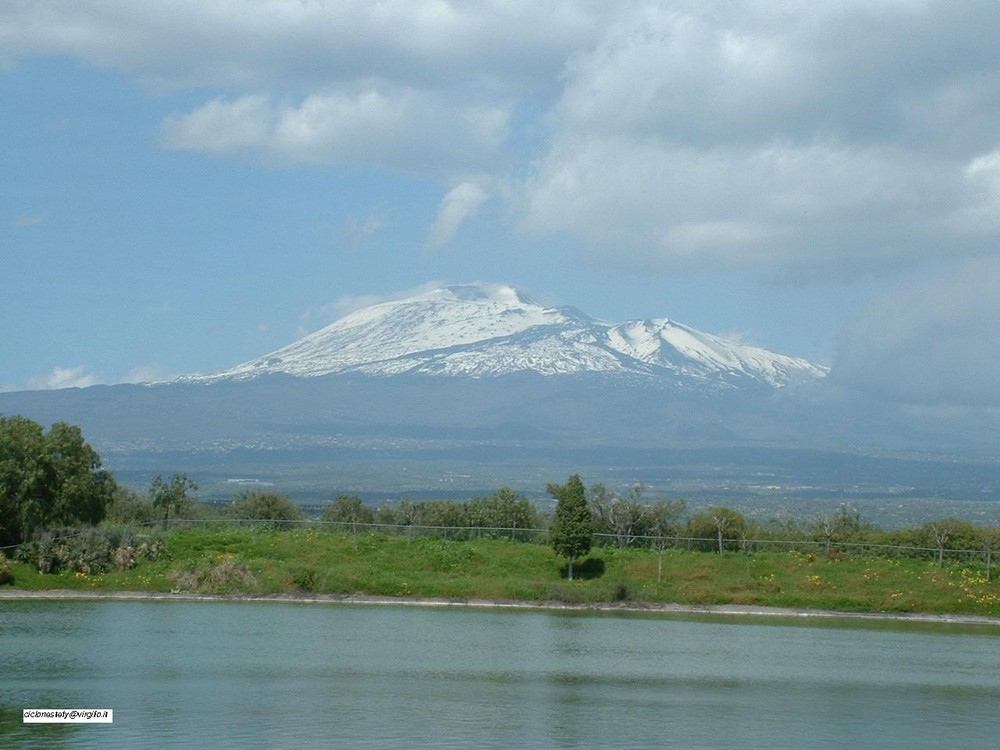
(287, 675)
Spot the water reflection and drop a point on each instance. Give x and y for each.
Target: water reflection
(274, 675)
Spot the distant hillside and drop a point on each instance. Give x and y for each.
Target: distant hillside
(470, 388)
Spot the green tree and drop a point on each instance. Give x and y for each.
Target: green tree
(628, 517)
(348, 509)
(409, 514)
(989, 539)
(665, 517)
(571, 532)
(130, 507)
(264, 505)
(846, 525)
(664, 523)
(443, 514)
(724, 524)
(504, 511)
(48, 479)
(172, 495)
(79, 489)
(22, 477)
(951, 534)
(599, 501)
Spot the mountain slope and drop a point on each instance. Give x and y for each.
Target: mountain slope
(374, 403)
(487, 330)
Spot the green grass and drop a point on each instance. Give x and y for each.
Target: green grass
(242, 561)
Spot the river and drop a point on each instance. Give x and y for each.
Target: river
(297, 675)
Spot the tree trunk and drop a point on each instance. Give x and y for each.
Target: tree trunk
(571, 569)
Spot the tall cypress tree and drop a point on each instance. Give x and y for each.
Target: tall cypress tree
(573, 526)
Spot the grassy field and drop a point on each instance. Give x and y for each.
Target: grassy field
(243, 561)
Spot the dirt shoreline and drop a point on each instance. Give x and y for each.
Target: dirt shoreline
(623, 607)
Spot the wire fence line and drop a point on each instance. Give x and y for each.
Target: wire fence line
(659, 544)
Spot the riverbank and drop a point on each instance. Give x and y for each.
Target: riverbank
(718, 610)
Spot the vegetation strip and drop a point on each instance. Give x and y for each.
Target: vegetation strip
(311, 562)
(67, 524)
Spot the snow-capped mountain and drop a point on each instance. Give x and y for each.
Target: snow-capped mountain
(486, 330)
(474, 387)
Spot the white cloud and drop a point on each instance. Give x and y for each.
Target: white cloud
(405, 130)
(302, 46)
(803, 139)
(795, 139)
(29, 220)
(222, 127)
(64, 377)
(980, 215)
(929, 342)
(82, 376)
(772, 207)
(460, 204)
(419, 85)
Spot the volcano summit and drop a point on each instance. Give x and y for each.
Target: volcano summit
(488, 330)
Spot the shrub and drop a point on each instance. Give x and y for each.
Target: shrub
(273, 507)
(225, 575)
(6, 572)
(90, 550)
(304, 579)
(57, 549)
(620, 592)
(230, 574)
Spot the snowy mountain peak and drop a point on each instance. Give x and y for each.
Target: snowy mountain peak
(489, 330)
(665, 343)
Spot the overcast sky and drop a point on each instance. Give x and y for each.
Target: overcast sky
(189, 184)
